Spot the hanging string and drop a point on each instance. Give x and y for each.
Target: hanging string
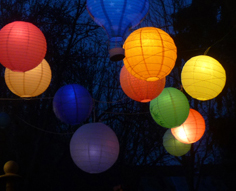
(207, 50)
(42, 129)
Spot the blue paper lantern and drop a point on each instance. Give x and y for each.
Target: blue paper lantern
(72, 104)
(94, 147)
(117, 17)
(4, 120)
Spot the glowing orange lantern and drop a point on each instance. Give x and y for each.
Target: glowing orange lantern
(22, 46)
(150, 53)
(192, 129)
(30, 83)
(140, 90)
(203, 77)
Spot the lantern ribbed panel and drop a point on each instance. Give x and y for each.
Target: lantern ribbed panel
(150, 53)
(72, 104)
(22, 46)
(192, 129)
(173, 146)
(117, 17)
(30, 83)
(140, 90)
(94, 147)
(170, 109)
(203, 77)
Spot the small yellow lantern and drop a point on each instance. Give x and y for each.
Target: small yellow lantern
(150, 53)
(203, 77)
(30, 83)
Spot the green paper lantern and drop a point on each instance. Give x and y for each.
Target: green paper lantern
(170, 109)
(173, 146)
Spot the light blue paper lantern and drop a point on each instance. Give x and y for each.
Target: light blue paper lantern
(72, 104)
(94, 147)
(117, 17)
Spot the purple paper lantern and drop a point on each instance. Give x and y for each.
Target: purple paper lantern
(72, 104)
(94, 147)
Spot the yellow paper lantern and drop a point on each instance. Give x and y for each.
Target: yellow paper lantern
(203, 77)
(30, 83)
(150, 53)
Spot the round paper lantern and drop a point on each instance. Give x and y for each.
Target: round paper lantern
(94, 147)
(72, 104)
(170, 108)
(203, 77)
(22, 46)
(4, 120)
(117, 17)
(150, 53)
(192, 129)
(30, 83)
(140, 90)
(173, 146)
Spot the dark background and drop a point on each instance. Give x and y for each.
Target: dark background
(77, 52)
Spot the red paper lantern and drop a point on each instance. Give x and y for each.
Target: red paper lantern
(140, 90)
(192, 129)
(22, 46)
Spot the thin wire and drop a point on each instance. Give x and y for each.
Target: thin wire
(219, 40)
(43, 129)
(110, 101)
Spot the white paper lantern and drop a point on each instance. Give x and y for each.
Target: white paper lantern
(94, 147)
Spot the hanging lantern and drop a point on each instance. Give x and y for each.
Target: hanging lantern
(173, 146)
(94, 147)
(150, 53)
(22, 46)
(4, 120)
(192, 129)
(170, 108)
(30, 83)
(72, 104)
(117, 17)
(203, 77)
(140, 90)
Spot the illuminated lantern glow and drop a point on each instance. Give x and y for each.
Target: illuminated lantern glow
(150, 53)
(117, 17)
(30, 83)
(191, 130)
(94, 147)
(4, 120)
(140, 90)
(170, 109)
(22, 45)
(173, 146)
(203, 77)
(72, 104)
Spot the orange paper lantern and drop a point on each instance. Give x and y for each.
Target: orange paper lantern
(22, 46)
(150, 53)
(30, 83)
(192, 129)
(140, 90)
